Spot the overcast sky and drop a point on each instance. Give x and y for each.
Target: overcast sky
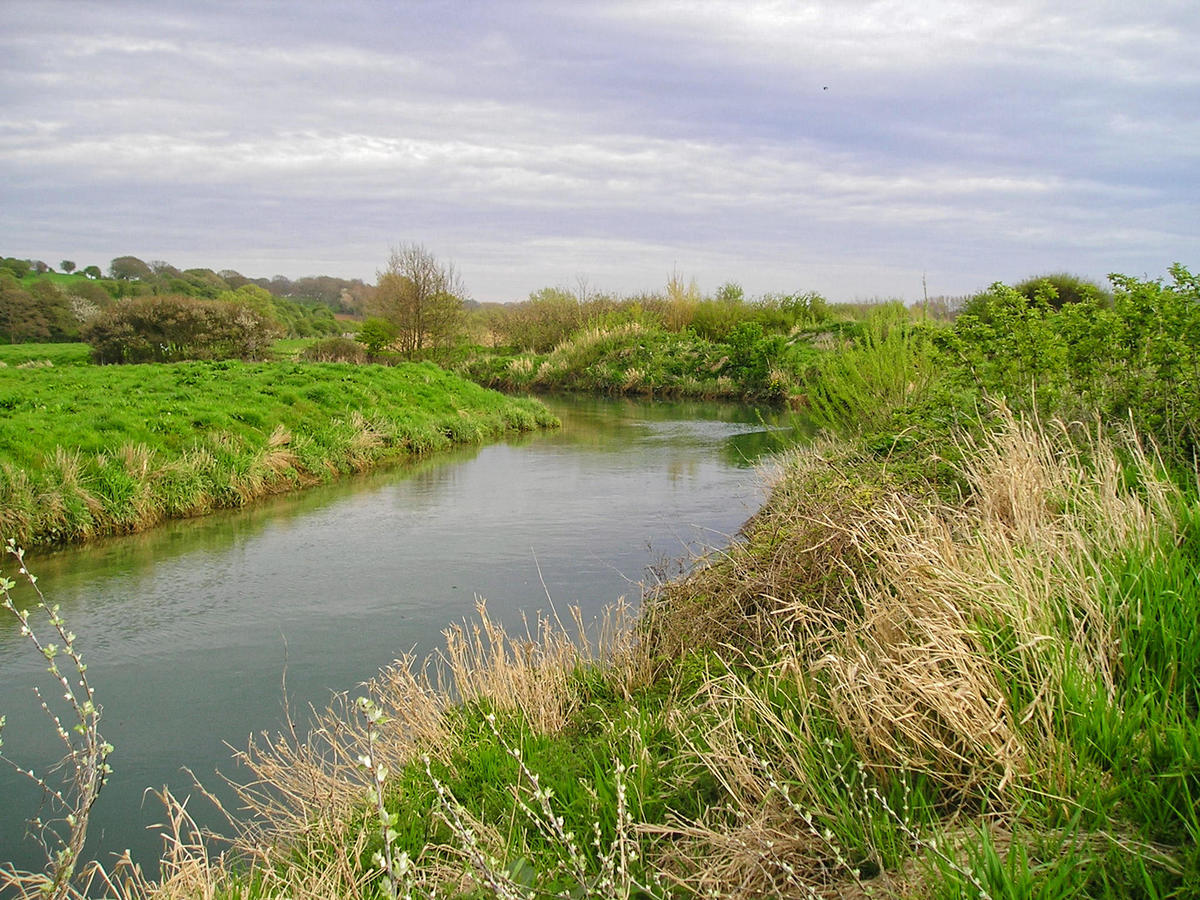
(846, 147)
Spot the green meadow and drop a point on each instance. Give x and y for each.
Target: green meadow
(89, 450)
(31, 355)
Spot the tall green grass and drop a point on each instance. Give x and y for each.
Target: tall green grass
(91, 450)
(890, 363)
(40, 354)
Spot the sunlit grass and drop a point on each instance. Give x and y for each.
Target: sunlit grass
(54, 354)
(87, 450)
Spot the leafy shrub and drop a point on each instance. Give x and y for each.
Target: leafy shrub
(376, 335)
(887, 365)
(751, 354)
(1136, 360)
(1061, 289)
(171, 328)
(335, 349)
(713, 320)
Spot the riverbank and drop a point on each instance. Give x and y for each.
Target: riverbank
(875, 692)
(633, 359)
(93, 450)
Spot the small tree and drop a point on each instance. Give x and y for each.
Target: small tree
(67, 266)
(421, 297)
(129, 268)
(376, 335)
(92, 272)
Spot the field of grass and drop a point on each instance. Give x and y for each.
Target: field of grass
(289, 349)
(87, 450)
(62, 279)
(41, 354)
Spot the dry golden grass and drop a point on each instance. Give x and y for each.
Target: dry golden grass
(367, 441)
(531, 674)
(879, 610)
(278, 458)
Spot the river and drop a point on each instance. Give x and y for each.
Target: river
(189, 629)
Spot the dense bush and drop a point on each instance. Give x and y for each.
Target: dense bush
(376, 335)
(1062, 288)
(334, 349)
(1136, 360)
(171, 328)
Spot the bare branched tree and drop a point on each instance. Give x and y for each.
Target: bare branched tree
(422, 297)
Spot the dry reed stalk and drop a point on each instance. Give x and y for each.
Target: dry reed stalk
(306, 784)
(68, 467)
(521, 365)
(368, 438)
(769, 855)
(622, 651)
(139, 463)
(914, 680)
(913, 688)
(17, 502)
(530, 674)
(277, 457)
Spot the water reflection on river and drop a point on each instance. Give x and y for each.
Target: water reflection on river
(189, 628)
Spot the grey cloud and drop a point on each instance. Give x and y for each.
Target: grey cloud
(985, 140)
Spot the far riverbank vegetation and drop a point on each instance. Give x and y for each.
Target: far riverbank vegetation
(93, 450)
(956, 654)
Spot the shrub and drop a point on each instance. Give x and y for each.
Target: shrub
(171, 328)
(1061, 289)
(888, 364)
(376, 335)
(335, 349)
(1137, 360)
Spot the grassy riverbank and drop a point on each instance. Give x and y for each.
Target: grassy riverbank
(647, 360)
(875, 693)
(89, 450)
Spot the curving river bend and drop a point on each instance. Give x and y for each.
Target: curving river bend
(188, 629)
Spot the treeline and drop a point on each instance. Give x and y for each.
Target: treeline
(40, 304)
(129, 276)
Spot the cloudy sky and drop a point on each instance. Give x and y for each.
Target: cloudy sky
(846, 147)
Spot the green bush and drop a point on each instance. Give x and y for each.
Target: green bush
(335, 349)
(1135, 360)
(172, 328)
(888, 364)
(376, 335)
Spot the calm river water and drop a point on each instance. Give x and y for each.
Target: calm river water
(188, 629)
